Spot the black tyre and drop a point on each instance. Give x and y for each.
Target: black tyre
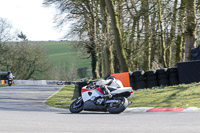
(139, 85)
(9, 83)
(149, 73)
(161, 71)
(151, 84)
(163, 82)
(76, 106)
(116, 108)
(172, 69)
(173, 81)
(151, 78)
(137, 73)
(138, 78)
(162, 76)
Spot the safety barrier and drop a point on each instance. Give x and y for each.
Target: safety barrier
(185, 72)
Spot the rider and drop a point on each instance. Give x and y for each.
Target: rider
(110, 82)
(10, 75)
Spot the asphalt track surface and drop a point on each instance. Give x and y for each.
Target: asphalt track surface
(22, 110)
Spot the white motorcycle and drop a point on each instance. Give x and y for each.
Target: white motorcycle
(94, 98)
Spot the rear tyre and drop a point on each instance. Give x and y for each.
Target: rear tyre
(9, 83)
(116, 108)
(76, 106)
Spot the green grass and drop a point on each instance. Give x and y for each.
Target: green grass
(64, 54)
(65, 57)
(64, 97)
(185, 95)
(3, 85)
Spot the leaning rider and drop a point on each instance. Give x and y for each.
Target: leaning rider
(109, 82)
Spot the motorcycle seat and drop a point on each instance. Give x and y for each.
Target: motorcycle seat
(112, 88)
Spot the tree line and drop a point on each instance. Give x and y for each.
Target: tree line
(129, 35)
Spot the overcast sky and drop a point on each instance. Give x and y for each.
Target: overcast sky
(32, 18)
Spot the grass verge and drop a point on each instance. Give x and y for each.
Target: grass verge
(185, 95)
(64, 97)
(3, 85)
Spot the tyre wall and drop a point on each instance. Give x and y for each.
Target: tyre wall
(138, 80)
(149, 79)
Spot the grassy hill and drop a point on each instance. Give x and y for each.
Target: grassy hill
(64, 57)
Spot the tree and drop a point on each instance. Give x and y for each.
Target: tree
(82, 13)
(27, 61)
(191, 28)
(22, 36)
(162, 34)
(5, 36)
(145, 10)
(180, 36)
(5, 30)
(118, 36)
(107, 56)
(133, 34)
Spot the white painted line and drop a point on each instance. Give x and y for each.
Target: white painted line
(138, 109)
(192, 109)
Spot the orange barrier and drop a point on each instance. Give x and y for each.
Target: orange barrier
(123, 77)
(2, 82)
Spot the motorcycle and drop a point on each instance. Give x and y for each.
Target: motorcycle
(10, 81)
(93, 98)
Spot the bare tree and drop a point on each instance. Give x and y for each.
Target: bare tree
(26, 61)
(118, 36)
(191, 29)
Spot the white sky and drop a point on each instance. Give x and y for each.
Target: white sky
(32, 18)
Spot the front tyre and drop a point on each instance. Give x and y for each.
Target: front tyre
(76, 106)
(116, 108)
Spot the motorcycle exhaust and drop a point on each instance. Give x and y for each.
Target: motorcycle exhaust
(112, 101)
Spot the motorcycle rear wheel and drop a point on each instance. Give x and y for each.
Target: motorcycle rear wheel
(76, 106)
(9, 83)
(118, 107)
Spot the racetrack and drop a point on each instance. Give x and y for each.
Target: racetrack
(22, 110)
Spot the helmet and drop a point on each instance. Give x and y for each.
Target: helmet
(111, 78)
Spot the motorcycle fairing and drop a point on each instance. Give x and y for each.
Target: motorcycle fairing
(87, 94)
(90, 106)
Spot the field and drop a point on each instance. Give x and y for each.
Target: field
(65, 57)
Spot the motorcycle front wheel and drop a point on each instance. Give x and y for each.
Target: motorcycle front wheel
(116, 108)
(76, 106)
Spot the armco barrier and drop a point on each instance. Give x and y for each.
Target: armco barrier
(30, 82)
(35, 82)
